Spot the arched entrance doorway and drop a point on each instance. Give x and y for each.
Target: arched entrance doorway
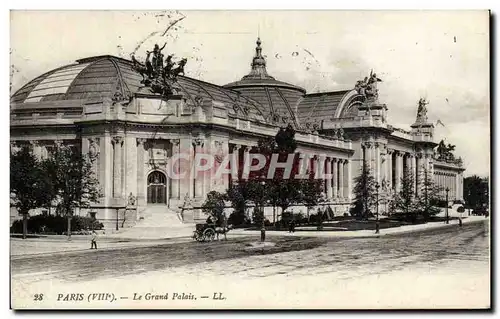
(157, 188)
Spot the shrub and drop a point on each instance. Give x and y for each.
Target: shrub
(85, 223)
(286, 217)
(56, 224)
(313, 218)
(236, 218)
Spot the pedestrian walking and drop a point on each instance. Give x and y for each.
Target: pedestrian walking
(93, 242)
(459, 222)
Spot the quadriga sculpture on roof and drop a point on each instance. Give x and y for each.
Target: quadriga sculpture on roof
(156, 75)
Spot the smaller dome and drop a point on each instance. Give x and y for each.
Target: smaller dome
(278, 97)
(258, 75)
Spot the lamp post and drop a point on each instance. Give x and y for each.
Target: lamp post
(117, 211)
(377, 225)
(447, 217)
(263, 225)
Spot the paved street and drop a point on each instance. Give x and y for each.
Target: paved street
(461, 251)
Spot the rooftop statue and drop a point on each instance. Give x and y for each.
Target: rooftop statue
(157, 76)
(368, 87)
(169, 64)
(445, 152)
(158, 59)
(422, 110)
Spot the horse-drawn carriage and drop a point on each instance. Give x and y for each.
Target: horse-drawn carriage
(208, 232)
(204, 232)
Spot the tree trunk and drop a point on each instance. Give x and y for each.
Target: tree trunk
(69, 227)
(274, 217)
(25, 224)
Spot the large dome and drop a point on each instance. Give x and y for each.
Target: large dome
(90, 78)
(103, 77)
(281, 98)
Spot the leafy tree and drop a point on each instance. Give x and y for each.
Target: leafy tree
(285, 191)
(475, 191)
(214, 206)
(365, 193)
(73, 178)
(429, 194)
(241, 194)
(30, 188)
(311, 192)
(404, 200)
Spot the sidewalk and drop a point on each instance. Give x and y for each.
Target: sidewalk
(60, 245)
(55, 245)
(362, 233)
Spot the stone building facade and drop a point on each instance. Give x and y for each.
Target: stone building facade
(100, 105)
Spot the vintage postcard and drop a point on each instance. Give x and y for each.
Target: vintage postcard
(249, 160)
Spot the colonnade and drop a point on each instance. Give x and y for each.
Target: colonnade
(389, 166)
(452, 181)
(336, 172)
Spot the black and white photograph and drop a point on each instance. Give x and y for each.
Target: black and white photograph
(217, 159)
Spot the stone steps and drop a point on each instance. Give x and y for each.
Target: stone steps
(158, 222)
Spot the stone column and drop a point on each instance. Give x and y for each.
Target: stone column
(461, 186)
(431, 165)
(418, 172)
(452, 188)
(225, 153)
(106, 168)
(376, 150)
(442, 183)
(348, 175)
(186, 168)
(315, 166)
(329, 192)
(321, 161)
(399, 168)
(345, 174)
(199, 177)
(235, 162)
(389, 167)
(369, 156)
(174, 181)
(141, 185)
(448, 183)
(455, 184)
(407, 159)
(335, 177)
(246, 161)
(413, 166)
(341, 178)
(117, 166)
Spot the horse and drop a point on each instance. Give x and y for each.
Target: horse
(167, 70)
(223, 230)
(180, 69)
(144, 71)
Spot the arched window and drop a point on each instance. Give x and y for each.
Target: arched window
(157, 177)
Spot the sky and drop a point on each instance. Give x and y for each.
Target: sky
(440, 55)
